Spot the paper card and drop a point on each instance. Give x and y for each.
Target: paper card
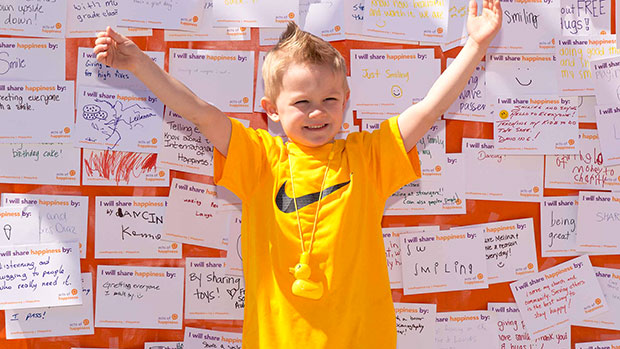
(471, 105)
(163, 345)
(354, 21)
(209, 33)
(41, 18)
(32, 59)
(348, 122)
(566, 292)
(432, 150)
(609, 279)
(234, 258)
(259, 92)
(585, 170)
(605, 72)
(432, 195)
(613, 344)
(194, 216)
(131, 227)
(575, 54)
(118, 119)
(86, 19)
(511, 331)
(442, 261)
(527, 27)
(391, 242)
(487, 173)
(36, 112)
(185, 15)
(558, 226)
(465, 330)
(580, 18)
(20, 225)
(415, 325)
(521, 75)
(323, 18)
(126, 294)
(269, 36)
(513, 334)
(598, 218)
(536, 125)
(585, 110)
(62, 218)
(91, 72)
(206, 32)
(22, 163)
(608, 125)
(210, 293)
(126, 169)
(41, 275)
(509, 248)
(426, 21)
(258, 13)
(196, 338)
(222, 78)
(76, 320)
(457, 25)
(184, 148)
(389, 81)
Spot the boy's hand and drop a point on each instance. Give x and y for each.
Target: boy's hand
(482, 28)
(115, 50)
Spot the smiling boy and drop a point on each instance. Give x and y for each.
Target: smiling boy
(313, 256)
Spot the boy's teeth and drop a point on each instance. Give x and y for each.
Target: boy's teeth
(318, 126)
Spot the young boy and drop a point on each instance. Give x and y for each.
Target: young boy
(314, 262)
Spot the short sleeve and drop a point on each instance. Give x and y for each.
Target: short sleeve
(393, 166)
(240, 171)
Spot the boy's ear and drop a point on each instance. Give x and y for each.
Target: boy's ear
(270, 108)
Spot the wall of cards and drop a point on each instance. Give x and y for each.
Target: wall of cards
(113, 234)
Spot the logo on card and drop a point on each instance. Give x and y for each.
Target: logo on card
(168, 320)
(239, 103)
(503, 114)
(66, 176)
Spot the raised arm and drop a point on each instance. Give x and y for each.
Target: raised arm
(115, 50)
(416, 120)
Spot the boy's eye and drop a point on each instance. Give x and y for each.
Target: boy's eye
(301, 101)
(331, 99)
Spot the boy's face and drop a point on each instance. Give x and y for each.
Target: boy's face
(310, 105)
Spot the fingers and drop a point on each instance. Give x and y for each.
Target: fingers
(473, 8)
(115, 35)
(102, 57)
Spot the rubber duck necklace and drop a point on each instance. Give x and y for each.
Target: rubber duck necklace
(302, 286)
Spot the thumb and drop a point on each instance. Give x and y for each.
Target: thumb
(115, 35)
(473, 8)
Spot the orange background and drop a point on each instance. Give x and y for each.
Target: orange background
(477, 212)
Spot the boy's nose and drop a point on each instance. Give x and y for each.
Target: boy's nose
(316, 113)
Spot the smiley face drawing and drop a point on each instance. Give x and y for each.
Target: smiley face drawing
(396, 91)
(523, 76)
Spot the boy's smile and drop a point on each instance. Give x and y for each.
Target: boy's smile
(310, 105)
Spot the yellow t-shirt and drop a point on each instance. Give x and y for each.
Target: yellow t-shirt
(348, 256)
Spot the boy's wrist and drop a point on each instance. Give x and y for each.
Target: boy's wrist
(140, 63)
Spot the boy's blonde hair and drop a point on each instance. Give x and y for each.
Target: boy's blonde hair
(298, 46)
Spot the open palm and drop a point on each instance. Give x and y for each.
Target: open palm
(482, 28)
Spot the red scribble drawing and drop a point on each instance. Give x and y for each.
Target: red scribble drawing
(119, 166)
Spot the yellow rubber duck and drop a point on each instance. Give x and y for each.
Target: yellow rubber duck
(302, 286)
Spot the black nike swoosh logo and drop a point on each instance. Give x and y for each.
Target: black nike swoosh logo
(286, 203)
